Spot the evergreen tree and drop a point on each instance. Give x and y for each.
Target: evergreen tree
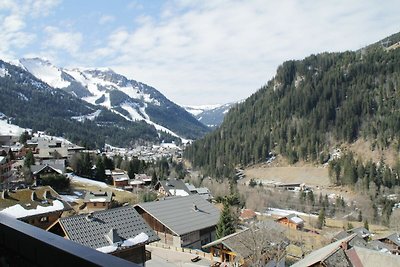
(321, 218)
(366, 225)
(226, 224)
(29, 159)
(100, 169)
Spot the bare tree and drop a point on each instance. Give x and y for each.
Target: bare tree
(264, 241)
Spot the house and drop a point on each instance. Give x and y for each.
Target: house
(292, 221)
(239, 248)
(393, 242)
(181, 221)
(143, 177)
(172, 187)
(333, 254)
(202, 191)
(120, 178)
(120, 181)
(40, 206)
(347, 252)
(247, 215)
(97, 200)
(120, 232)
(361, 232)
(48, 168)
(5, 168)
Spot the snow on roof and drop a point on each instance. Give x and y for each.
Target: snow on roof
(178, 192)
(99, 199)
(119, 179)
(140, 238)
(77, 179)
(17, 211)
(297, 220)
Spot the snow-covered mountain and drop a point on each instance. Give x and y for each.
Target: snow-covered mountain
(210, 115)
(134, 101)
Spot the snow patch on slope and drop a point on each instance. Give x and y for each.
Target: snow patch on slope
(45, 71)
(90, 117)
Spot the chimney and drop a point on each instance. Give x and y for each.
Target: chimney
(344, 245)
(89, 217)
(34, 196)
(46, 195)
(195, 207)
(4, 194)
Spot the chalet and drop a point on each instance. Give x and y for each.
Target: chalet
(235, 248)
(48, 168)
(230, 248)
(342, 253)
(121, 181)
(292, 221)
(143, 177)
(361, 232)
(247, 215)
(172, 187)
(393, 242)
(5, 168)
(120, 178)
(120, 232)
(181, 221)
(40, 206)
(97, 200)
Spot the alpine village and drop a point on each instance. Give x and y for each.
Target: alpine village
(102, 170)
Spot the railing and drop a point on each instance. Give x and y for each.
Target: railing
(22, 244)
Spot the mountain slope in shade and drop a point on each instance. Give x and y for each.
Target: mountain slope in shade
(210, 115)
(130, 99)
(31, 103)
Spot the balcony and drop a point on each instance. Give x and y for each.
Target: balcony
(22, 244)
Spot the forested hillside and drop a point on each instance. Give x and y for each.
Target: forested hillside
(310, 106)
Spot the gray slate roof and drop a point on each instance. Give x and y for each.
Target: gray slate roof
(178, 213)
(96, 231)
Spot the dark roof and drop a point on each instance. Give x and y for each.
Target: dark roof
(360, 231)
(59, 168)
(324, 253)
(173, 184)
(234, 243)
(179, 214)
(395, 238)
(96, 229)
(378, 246)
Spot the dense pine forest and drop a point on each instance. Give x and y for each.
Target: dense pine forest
(310, 106)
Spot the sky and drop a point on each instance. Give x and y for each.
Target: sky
(195, 52)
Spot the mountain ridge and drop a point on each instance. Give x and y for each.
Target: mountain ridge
(310, 106)
(126, 97)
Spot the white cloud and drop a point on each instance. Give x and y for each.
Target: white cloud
(14, 17)
(67, 41)
(225, 50)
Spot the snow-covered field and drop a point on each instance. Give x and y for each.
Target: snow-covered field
(283, 212)
(10, 129)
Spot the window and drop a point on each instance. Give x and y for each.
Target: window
(44, 219)
(94, 204)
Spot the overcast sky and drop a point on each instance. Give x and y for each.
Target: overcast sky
(194, 52)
